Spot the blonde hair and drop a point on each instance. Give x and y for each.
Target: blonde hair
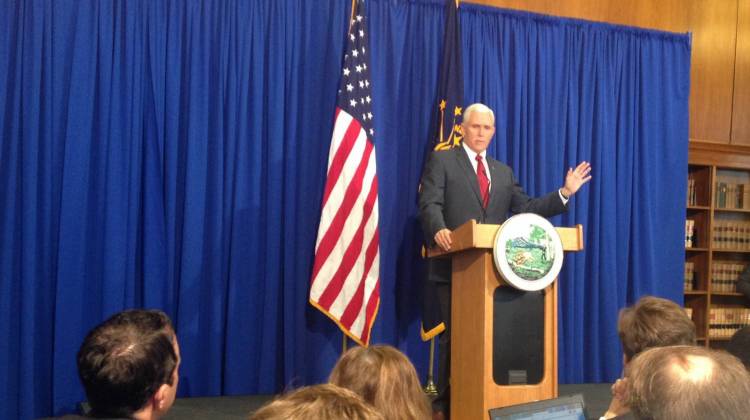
(323, 402)
(385, 378)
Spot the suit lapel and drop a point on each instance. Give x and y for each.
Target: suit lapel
(468, 170)
(494, 180)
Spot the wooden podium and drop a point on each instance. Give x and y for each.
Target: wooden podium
(473, 388)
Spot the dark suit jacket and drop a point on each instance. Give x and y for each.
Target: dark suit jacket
(450, 195)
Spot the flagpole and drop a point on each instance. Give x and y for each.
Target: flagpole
(430, 388)
(348, 239)
(446, 135)
(343, 343)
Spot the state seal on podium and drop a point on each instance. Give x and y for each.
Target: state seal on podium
(528, 252)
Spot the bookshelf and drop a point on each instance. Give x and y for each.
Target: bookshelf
(717, 239)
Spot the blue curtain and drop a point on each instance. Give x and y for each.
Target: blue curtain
(566, 91)
(172, 154)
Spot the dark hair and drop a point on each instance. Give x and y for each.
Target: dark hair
(687, 383)
(654, 322)
(123, 361)
(320, 402)
(739, 345)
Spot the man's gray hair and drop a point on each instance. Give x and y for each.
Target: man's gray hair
(687, 383)
(480, 108)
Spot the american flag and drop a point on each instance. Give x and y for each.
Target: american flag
(346, 272)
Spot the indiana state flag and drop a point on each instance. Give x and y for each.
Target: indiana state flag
(446, 134)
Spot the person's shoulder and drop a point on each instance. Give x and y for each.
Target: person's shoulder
(442, 157)
(497, 164)
(492, 160)
(443, 154)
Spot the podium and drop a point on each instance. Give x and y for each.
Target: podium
(474, 389)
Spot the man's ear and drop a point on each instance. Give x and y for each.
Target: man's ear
(159, 398)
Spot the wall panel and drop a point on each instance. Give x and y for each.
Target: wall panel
(741, 107)
(714, 28)
(666, 15)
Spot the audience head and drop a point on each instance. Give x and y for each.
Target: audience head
(385, 378)
(322, 402)
(739, 346)
(653, 322)
(128, 365)
(687, 383)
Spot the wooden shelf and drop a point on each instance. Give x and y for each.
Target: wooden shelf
(711, 167)
(720, 210)
(712, 338)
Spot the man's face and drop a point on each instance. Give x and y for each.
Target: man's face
(478, 131)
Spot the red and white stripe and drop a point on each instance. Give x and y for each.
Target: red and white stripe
(345, 278)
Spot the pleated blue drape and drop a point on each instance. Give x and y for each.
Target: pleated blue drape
(172, 154)
(566, 91)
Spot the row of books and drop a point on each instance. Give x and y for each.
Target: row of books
(731, 235)
(689, 312)
(732, 195)
(690, 233)
(689, 275)
(724, 322)
(724, 276)
(691, 200)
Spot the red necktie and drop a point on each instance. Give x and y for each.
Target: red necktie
(484, 182)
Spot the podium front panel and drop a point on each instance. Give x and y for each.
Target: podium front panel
(518, 337)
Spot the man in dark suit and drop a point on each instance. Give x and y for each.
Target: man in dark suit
(464, 183)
